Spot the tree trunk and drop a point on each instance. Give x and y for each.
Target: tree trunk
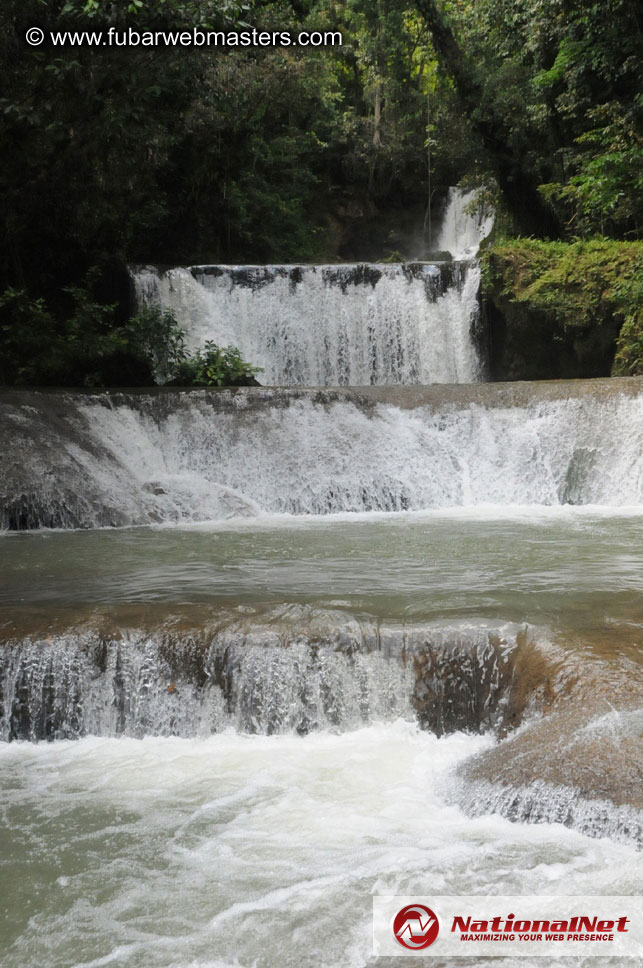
(377, 138)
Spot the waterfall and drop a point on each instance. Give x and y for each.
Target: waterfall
(269, 674)
(543, 803)
(284, 624)
(465, 224)
(332, 325)
(87, 460)
(297, 670)
(341, 325)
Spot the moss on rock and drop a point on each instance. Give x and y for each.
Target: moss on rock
(559, 309)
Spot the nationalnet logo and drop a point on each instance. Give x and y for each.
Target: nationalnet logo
(480, 926)
(416, 926)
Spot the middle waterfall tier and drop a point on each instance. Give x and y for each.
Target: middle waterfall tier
(77, 459)
(336, 325)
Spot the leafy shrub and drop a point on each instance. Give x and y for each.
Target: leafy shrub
(25, 325)
(629, 347)
(79, 346)
(155, 336)
(84, 346)
(215, 366)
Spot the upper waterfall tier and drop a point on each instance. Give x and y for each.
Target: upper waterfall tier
(335, 325)
(465, 224)
(87, 460)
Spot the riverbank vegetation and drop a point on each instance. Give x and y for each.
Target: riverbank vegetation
(579, 301)
(88, 347)
(120, 155)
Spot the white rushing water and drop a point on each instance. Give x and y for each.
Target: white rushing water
(294, 669)
(257, 851)
(255, 705)
(200, 456)
(465, 224)
(341, 325)
(252, 680)
(331, 325)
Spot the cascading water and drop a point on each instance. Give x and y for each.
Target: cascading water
(268, 697)
(246, 455)
(276, 674)
(340, 325)
(332, 325)
(465, 224)
(123, 459)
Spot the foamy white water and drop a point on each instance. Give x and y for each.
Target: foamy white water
(338, 325)
(125, 459)
(457, 557)
(331, 325)
(465, 224)
(257, 851)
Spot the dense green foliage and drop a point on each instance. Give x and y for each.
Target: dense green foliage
(629, 347)
(90, 349)
(554, 88)
(83, 346)
(180, 155)
(114, 155)
(572, 299)
(214, 366)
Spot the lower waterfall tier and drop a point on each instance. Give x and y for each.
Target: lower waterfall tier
(289, 671)
(297, 670)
